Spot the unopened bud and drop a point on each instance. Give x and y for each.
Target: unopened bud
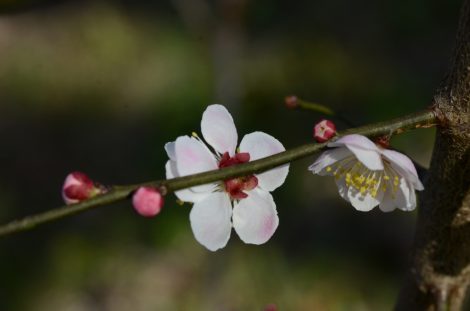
(292, 102)
(324, 130)
(147, 201)
(78, 187)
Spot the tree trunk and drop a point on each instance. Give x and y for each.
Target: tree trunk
(439, 273)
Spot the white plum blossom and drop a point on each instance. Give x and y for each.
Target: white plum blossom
(368, 175)
(244, 203)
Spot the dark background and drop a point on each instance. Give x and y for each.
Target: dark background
(100, 86)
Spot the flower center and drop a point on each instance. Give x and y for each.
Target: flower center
(363, 180)
(235, 186)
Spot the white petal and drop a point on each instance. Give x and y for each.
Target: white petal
(403, 198)
(363, 148)
(193, 157)
(186, 195)
(359, 141)
(387, 204)
(412, 199)
(371, 159)
(170, 150)
(328, 158)
(219, 130)
(261, 145)
(210, 220)
(342, 188)
(255, 218)
(404, 166)
(170, 169)
(363, 203)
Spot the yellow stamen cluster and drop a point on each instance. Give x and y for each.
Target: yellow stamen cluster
(362, 179)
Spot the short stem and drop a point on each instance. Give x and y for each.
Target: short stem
(315, 107)
(324, 110)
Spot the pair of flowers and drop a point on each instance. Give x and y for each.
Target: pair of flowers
(366, 174)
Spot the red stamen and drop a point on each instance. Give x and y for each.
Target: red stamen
(242, 157)
(383, 141)
(250, 183)
(236, 186)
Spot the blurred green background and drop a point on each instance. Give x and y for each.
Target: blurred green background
(100, 86)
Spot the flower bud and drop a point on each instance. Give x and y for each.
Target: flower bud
(324, 130)
(292, 102)
(147, 201)
(78, 187)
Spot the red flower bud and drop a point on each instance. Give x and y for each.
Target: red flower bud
(292, 102)
(78, 187)
(324, 130)
(147, 201)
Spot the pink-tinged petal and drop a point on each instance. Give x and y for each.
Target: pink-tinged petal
(363, 202)
(261, 145)
(328, 158)
(404, 166)
(255, 218)
(363, 148)
(193, 157)
(170, 150)
(185, 195)
(219, 130)
(210, 220)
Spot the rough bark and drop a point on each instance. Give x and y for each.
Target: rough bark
(439, 274)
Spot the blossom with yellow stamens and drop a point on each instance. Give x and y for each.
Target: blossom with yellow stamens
(368, 175)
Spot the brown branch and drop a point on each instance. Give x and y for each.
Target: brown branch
(439, 273)
(117, 193)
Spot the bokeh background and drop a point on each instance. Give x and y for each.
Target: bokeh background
(100, 86)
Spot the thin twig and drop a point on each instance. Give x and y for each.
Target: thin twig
(316, 107)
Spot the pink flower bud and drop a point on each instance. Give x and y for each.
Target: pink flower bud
(147, 201)
(78, 187)
(324, 130)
